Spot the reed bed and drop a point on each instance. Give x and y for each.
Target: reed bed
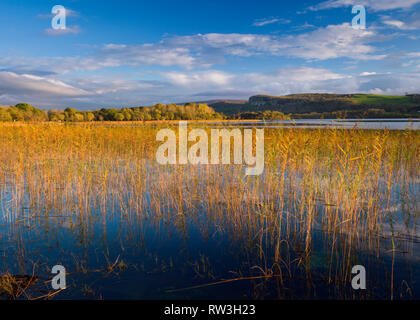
(339, 192)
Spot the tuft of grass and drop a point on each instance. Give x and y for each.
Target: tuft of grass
(13, 286)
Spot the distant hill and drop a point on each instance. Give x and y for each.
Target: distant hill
(209, 102)
(325, 105)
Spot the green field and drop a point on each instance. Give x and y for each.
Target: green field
(373, 99)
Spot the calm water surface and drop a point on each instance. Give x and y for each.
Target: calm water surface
(390, 124)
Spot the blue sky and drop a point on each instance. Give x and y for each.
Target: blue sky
(130, 53)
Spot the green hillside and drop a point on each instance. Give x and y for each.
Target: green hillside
(372, 99)
(326, 105)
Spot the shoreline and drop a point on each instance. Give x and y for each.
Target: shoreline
(417, 119)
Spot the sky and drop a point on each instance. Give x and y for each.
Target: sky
(132, 53)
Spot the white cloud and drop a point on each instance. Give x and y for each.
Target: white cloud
(206, 50)
(206, 84)
(266, 21)
(395, 23)
(55, 65)
(205, 79)
(376, 5)
(94, 92)
(411, 22)
(195, 86)
(148, 54)
(333, 41)
(53, 81)
(59, 32)
(365, 74)
(237, 44)
(376, 91)
(12, 83)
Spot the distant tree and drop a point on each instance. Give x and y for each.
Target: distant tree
(189, 111)
(26, 112)
(16, 114)
(70, 114)
(5, 115)
(147, 117)
(24, 107)
(128, 114)
(119, 116)
(55, 115)
(89, 116)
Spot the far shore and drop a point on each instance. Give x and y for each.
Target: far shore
(175, 122)
(127, 122)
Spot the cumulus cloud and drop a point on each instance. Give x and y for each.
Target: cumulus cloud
(94, 91)
(212, 78)
(376, 5)
(282, 81)
(333, 41)
(191, 74)
(206, 50)
(13, 83)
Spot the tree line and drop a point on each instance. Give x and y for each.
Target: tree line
(188, 111)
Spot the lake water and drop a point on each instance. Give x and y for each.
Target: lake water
(390, 124)
(162, 254)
